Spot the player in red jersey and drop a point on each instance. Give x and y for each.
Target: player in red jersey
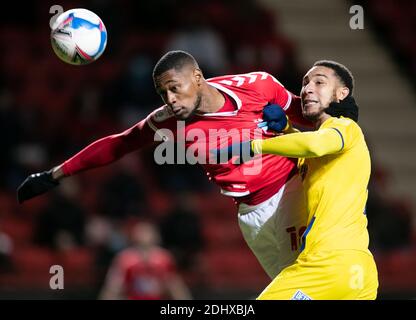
(144, 271)
(202, 115)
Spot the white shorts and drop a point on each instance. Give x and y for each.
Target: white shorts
(273, 228)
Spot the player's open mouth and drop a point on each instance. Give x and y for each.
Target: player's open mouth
(308, 103)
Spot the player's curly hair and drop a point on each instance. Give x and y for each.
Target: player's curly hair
(176, 59)
(342, 72)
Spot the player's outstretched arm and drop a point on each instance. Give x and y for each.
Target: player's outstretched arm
(99, 153)
(302, 144)
(296, 145)
(36, 184)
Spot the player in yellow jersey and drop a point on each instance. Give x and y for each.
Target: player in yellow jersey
(334, 163)
(335, 262)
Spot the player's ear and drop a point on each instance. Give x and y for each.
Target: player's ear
(198, 76)
(342, 92)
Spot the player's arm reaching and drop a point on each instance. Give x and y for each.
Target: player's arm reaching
(294, 145)
(99, 153)
(301, 144)
(278, 96)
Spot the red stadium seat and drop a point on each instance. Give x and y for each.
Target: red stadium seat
(34, 258)
(19, 231)
(234, 268)
(397, 269)
(222, 233)
(31, 268)
(78, 264)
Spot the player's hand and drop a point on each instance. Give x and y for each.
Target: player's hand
(274, 118)
(241, 150)
(36, 184)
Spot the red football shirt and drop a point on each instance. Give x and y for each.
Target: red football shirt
(246, 95)
(145, 277)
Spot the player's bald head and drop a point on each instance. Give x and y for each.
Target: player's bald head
(176, 60)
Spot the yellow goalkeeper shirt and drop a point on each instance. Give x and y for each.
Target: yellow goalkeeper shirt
(335, 167)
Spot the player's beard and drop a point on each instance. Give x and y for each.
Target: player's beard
(316, 115)
(195, 108)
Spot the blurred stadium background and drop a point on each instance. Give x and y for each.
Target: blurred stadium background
(50, 110)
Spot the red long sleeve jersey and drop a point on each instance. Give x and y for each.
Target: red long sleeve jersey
(253, 181)
(144, 278)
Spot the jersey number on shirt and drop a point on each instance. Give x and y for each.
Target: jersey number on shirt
(295, 236)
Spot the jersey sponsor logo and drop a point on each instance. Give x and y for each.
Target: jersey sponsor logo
(299, 295)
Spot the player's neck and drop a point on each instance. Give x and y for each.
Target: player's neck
(321, 120)
(212, 100)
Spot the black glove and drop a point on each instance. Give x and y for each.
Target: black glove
(346, 108)
(242, 150)
(274, 118)
(36, 184)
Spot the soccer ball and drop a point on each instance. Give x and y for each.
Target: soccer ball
(78, 36)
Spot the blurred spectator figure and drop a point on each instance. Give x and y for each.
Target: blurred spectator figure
(389, 219)
(9, 127)
(203, 42)
(6, 249)
(61, 225)
(123, 195)
(256, 44)
(105, 238)
(182, 232)
(144, 271)
(135, 90)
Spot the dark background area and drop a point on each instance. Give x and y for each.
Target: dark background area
(49, 110)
